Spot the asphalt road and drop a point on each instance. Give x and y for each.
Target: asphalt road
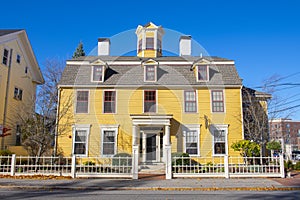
(145, 194)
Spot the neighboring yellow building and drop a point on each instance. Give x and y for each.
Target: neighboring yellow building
(19, 76)
(192, 104)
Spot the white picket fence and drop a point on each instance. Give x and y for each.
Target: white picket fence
(67, 166)
(126, 167)
(228, 167)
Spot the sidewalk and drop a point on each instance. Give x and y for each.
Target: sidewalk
(153, 184)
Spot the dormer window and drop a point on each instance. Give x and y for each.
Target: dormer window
(159, 48)
(98, 73)
(202, 73)
(150, 73)
(149, 43)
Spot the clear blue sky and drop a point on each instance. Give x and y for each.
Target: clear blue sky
(263, 37)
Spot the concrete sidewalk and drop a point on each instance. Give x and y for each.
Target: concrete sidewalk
(143, 184)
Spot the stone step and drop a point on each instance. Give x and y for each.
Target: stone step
(153, 168)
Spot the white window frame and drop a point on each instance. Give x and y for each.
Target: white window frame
(103, 98)
(196, 96)
(214, 127)
(103, 73)
(207, 73)
(109, 128)
(156, 101)
(88, 109)
(211, 100)
(191, 127)
(155, 73)
(84, 127)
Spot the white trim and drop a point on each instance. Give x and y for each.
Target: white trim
(155, 72)
(103, 96)
(207, 73)
(211, 102)
(219, 127)
(92, 73)
(196, 93)
(150, 86)
(156, 100)
(86, 62)
(109, 127)
(85, 127)
(191, 127)
(88, 109)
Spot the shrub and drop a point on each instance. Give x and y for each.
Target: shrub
(288, 165)
(182, 161)
(6, 152)
(89, 163)
(121, 159)
(297, 165)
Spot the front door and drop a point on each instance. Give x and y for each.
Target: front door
(151, 147)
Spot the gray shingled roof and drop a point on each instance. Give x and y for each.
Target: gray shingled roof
(167, 75)
(8, 31)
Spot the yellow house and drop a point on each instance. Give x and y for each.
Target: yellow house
(149, 101)
(19, 76)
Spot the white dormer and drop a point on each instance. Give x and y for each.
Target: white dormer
(201, 70)
(98, 69)
(150, 70)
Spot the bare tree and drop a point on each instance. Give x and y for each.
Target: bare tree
(39, 129)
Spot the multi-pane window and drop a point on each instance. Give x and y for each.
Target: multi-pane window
(80, 142)
(18, 93)
(219, 141)
(150, 101)
(109, 102)
(5, 57)
(202, 73)
(150, 43)
(150, 73)
(108, 142)
(18, 58)
(159, 48)
(82, 102)
(217, 101)
(98, 73)
(191, 142)
(140, 45)
(190, 101)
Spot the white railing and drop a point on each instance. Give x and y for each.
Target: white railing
(228, 167)
(67, 166)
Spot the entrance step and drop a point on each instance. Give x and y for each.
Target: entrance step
(152, 168)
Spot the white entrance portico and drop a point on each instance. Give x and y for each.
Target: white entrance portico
(151, 139)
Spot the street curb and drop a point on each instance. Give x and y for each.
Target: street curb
(153, 188)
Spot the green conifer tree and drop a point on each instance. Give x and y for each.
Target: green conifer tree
(79, 51)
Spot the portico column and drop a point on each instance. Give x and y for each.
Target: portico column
(134, 135)
(167, 133)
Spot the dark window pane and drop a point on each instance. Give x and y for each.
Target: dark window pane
(97, 73)
(150, 101)
(109, 101)
(150, 43)
(82, 101)
(219, 148)
(202, 73)
(5, 57)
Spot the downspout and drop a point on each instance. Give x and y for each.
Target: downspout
(6, 96)
(56, 123)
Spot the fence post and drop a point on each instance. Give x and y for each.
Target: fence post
(73, 167)
(281, 162)
(226, 166)
(13, 165)
(135, 163)
(168, 161)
